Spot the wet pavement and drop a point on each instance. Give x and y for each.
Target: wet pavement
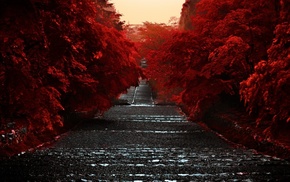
(140, 141)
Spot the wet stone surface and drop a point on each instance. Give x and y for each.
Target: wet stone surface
(142, 142)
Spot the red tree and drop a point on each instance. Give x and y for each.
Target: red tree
(228, 39)
(56, 57)
(266, 91)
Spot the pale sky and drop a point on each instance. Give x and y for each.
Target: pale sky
(155, 11)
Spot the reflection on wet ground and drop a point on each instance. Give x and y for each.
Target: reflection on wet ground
(143, 142)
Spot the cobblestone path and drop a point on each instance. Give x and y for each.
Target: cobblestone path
(141, 141)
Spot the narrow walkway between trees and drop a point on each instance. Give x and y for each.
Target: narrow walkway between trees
(141, 141)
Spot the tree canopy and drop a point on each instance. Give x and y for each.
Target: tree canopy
(234, 48)
(58, 57)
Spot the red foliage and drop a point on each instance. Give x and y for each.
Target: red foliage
(266, 91)
(253, 21)
(205, 78)
(57, 56)
(149, 39)
(228, 40)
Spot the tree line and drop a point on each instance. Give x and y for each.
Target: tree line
(59, 57)
(233, 51)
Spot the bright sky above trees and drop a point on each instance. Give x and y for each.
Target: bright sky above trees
(139, 11)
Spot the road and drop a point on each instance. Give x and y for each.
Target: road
(140, 141)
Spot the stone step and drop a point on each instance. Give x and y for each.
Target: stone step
(143, 142)
(139, 163)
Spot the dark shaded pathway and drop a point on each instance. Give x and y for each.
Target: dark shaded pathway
(143, 142)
